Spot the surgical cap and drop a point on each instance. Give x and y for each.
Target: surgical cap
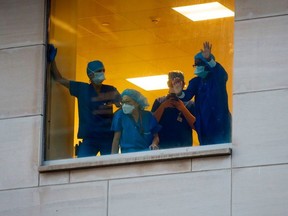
(200, 56)
(136, 96)
(94, 66)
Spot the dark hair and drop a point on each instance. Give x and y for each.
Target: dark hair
(172, 96)
(176, 74)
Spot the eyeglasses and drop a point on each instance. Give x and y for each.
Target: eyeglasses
(199, 62)
(100, 70)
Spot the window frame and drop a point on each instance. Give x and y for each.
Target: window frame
(137, 157)
(129, 158)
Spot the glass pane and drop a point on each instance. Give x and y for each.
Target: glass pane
(133, 39)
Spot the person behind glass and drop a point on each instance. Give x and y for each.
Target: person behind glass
(95, 107)
(213, 118)
(135, 129)
(175, 116)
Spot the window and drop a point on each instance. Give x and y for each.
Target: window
(132, 39)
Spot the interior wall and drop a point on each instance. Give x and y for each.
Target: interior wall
(124, 36)
(62, 33)
(131, 45)
(174, 41)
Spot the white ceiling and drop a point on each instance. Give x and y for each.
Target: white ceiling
(140, 38)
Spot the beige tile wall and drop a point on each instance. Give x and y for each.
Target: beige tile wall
(260, 121)
(132, 170)
(87, 199)
(199, 193)
(260, 104)
(22, 66)
(22, 81)
(260, 191)
(251, 9)
(20, 138)
(260, 85)
(206, 186)
(260, 57)
(22, 23)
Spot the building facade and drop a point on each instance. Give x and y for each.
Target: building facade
(247, 182)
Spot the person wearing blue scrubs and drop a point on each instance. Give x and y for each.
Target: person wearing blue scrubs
(175, 116)
(135, 129)
(95, 107)
(213, 118)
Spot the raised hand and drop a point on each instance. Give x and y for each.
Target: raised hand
(177, 84)
(52, 51)
(206, 51)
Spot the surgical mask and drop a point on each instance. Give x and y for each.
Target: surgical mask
(200, 71)
(127, 108)
(98, 77)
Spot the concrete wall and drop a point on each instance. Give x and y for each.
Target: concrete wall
(260, 138)
(252, 181)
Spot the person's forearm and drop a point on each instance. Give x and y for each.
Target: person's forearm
(55, 72)
(155, 139)
(115, 143)
(158, 113)
(115, 148)
(57, 75)
(189, 117)
(155, 142)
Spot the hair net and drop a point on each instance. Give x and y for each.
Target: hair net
(136, 96)
(200, 56)
(94, 66)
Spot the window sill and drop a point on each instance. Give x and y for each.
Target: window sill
(151, 156)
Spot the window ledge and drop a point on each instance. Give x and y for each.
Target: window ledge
(150, 156)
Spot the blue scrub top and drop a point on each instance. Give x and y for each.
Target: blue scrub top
(213, 118)
(95, 110)
(135, 135)
(175, 131)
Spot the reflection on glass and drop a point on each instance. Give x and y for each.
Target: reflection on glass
(133, 40)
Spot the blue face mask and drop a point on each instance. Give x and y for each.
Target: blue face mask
(98, 78)
(200, 71)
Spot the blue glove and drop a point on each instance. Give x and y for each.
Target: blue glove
(52, 51)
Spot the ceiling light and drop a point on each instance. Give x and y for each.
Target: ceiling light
(105, 24)
(205, 11)
(150, 83)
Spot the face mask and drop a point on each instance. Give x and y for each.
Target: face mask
(127, 108)
(200, 71)
(98, 78)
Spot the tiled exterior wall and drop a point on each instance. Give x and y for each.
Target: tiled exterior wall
(260, 138)
(250, 182)
(22, 64)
